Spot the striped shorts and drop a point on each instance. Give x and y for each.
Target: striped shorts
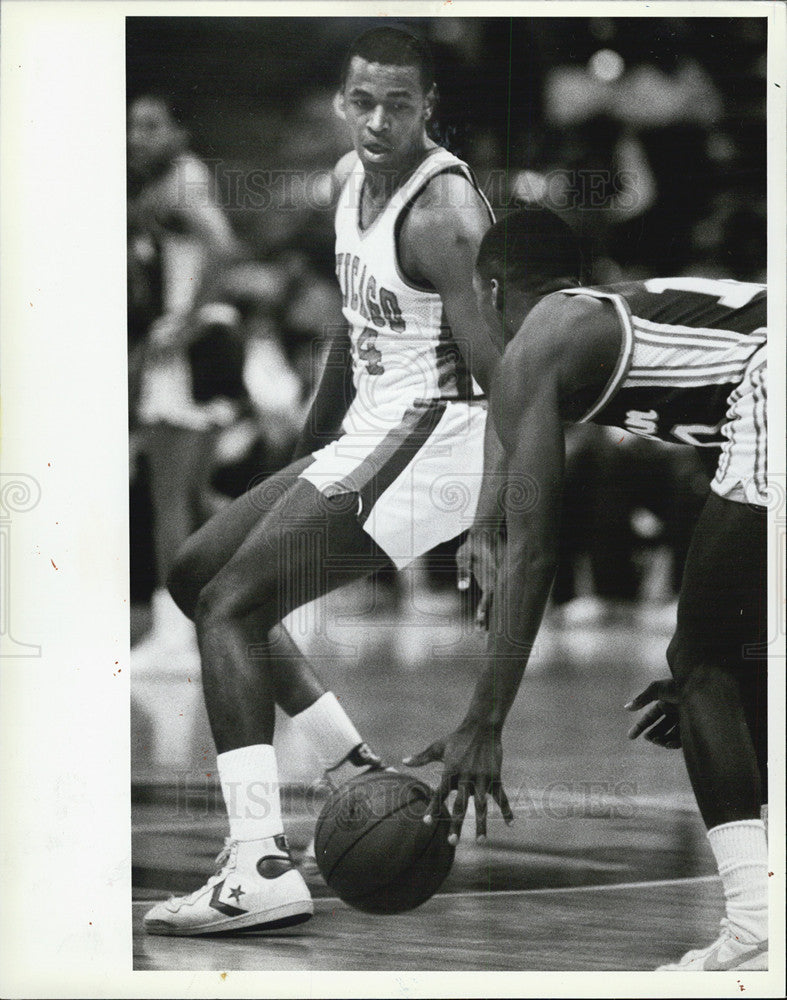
(417, 473)
(742, 471)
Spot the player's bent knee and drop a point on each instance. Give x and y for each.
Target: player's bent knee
(224, 600)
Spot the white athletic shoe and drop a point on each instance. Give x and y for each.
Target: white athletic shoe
(256, 887)
(726, 954)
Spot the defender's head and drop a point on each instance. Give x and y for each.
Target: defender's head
(523, 257)
(387, 96)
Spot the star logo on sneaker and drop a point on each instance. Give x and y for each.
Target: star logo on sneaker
(226, 908)
(236, 894)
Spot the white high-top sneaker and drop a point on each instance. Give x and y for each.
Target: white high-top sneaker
(726, 954)
(256, 887)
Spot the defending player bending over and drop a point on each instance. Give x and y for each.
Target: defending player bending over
(681, 359)
(409, 222)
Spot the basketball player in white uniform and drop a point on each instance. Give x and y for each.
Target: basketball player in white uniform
(409, 222)
(684, 360)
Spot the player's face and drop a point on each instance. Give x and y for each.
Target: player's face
(386, 110)
(485, 294)
(153, 137)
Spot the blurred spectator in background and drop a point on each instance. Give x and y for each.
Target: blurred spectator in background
(223, 348)
(647, 134)
(286, 307)
(625, 496)
(628, 112)
(184, 349)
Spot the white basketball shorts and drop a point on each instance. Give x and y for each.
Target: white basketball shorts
(417, 477)
(742, 470)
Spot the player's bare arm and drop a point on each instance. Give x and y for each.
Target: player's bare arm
(331, 398)
(479, 555)
(334, 387)
(560, 350)
(438, 244)
(454, 211)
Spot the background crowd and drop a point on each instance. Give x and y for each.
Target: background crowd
(647, 134)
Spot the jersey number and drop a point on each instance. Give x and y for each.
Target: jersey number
(729, 293)
(368, 352)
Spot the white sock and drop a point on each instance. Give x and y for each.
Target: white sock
(741, 851)
(328, 728)
(250, 785)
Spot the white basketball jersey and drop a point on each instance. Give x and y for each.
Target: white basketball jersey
(403, 348)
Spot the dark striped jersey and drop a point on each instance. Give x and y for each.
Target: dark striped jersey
(686, 345)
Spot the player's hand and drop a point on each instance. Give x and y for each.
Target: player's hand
(472, 759)
(660, 722)
(478, 557)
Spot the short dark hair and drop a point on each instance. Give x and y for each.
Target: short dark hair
(530, 247)
(392, 47)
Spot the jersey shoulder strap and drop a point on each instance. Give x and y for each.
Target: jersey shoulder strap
(440, 162)
(623, 363)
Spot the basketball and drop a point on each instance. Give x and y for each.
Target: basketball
(374, 849)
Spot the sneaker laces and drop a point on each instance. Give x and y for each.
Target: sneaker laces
(222, 858)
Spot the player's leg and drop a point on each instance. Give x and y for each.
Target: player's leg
(305, 546)
(174, 454)
(754, 694)
(302, 548)
(299, 691)
(721, 611)
(721, 615)
(209, 548)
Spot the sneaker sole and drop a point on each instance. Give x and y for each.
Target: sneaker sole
(270, 920)
(757, 963)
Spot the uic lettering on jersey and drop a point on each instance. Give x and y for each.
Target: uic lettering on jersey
(361, 292)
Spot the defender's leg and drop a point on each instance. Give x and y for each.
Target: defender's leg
(721, 619)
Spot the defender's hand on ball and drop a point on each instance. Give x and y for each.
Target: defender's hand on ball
(659, 723)
(472, 758)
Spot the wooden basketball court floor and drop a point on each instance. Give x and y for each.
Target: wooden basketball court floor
(606, 868)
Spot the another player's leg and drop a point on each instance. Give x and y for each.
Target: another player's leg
(755, 704)
(303, 547)
(721, 618)
(176, 457)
